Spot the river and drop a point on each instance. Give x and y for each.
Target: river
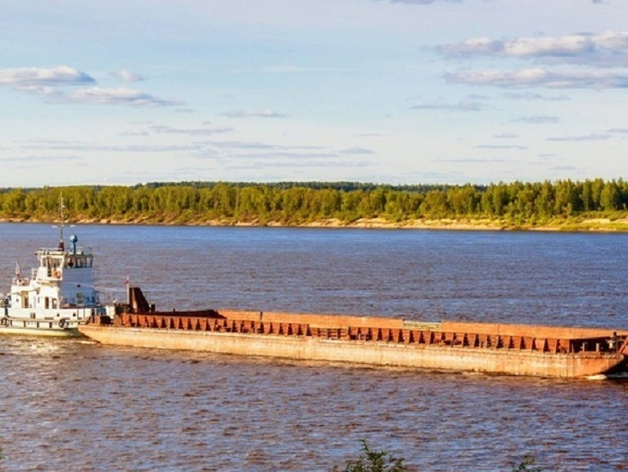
(74, 405)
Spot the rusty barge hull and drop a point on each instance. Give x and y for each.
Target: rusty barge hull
(475, 347)
(513, 362)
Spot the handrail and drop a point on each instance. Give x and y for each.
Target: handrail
(410, 336)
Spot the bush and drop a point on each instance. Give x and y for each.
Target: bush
(375, 461)
(527, 465)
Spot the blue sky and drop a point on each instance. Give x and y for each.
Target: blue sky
(382, 91)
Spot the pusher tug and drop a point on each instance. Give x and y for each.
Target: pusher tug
(58, 296)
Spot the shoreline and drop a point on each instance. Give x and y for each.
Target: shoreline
(601, 225)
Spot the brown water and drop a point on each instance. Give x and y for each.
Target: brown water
(68, 405)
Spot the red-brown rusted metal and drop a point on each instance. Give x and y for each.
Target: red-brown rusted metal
(140, 314)
(213, 321)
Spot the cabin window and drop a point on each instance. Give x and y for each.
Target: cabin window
(46, 303)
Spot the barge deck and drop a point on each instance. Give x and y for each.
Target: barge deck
(546, 351)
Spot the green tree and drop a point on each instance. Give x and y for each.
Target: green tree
(544, 203)
(14, 203)
(609, 197)
(331, 202)
(500, 199)
(596, 191)
(225, 197)
(586, 196)
(566, 200)
(524, 201)
(463, 200)
(435, 204)
(349, 206)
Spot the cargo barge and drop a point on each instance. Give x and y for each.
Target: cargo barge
(545, 351)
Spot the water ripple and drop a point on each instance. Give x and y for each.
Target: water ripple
(68, 405)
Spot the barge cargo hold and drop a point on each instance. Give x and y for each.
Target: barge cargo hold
(544, 351)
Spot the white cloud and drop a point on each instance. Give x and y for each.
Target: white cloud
(422, 2)
(190, 131)
(356, 151)
(464, 105)
(287, 69)
(116, 96)
(47, 159)
(258, 145)
(502, 147)
(535, 96)
(128, 76)
(537, 119)
(538, 77)
(608, 42)
(95, 147)
(471, 160)
(134, 132)
(254, 114)
(290, 155)
(50, 82)
(42, 80)
(589, 137)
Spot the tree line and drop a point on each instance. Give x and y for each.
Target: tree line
(301, 203)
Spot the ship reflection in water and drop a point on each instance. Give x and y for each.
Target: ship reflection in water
(69, 405)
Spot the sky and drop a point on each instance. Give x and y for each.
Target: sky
(381, 91)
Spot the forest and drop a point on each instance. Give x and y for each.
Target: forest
(514, 205)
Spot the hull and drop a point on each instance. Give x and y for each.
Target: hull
(39, 327)
(48, 332)
(376, 353)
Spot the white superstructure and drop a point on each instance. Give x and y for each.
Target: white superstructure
(58, 295)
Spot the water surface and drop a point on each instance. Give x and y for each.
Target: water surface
(67, 405)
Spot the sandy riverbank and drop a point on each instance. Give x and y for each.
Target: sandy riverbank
(466, 224)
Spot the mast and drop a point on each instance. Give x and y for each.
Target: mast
(62, 224)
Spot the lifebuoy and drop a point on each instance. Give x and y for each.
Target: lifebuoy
(58, 274)
(4, 321)
(61, 323)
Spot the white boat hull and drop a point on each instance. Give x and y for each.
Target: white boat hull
(39, 327)
(49, 332)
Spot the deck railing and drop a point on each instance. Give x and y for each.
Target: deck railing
(213, 322)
